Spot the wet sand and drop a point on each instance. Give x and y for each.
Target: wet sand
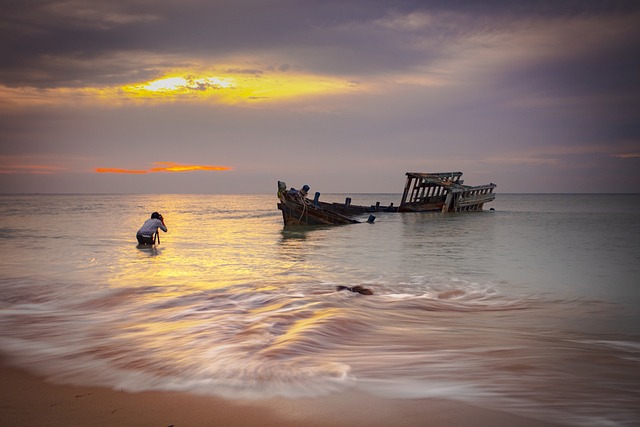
(26, 400)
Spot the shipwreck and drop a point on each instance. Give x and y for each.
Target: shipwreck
(423, 192)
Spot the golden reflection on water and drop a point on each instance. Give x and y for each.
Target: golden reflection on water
(300, 327)
(205, 250)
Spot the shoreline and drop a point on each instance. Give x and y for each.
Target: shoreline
(27, 400)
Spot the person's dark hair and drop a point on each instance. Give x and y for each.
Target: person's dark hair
(155, 215)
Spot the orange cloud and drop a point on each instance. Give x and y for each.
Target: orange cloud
(166, 167)
(174, 167)
(115, 170)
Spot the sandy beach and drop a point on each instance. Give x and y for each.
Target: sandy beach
(27, 400)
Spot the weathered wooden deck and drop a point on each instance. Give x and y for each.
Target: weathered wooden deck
(443, 192)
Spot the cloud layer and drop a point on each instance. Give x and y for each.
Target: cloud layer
(347, 95)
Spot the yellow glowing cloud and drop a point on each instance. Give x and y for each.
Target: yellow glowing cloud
(233, 86)
(236, 87)
(175, 86)
(165, 167)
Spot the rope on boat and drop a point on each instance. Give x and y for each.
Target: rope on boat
(304, 208)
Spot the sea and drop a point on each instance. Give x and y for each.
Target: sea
(530, 307)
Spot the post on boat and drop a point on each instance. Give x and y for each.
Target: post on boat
(315, 199)
(447, 202)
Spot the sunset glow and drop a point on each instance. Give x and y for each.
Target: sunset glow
(178, 86)
(116, 170)
(165, 167)
(230, 88)
(239, 87)
(174, 167)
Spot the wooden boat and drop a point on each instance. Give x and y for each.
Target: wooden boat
(445, 192)
(423, 192)
(297, 209)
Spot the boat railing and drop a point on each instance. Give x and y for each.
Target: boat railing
(469, 198)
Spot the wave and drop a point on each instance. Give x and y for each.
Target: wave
(410, 339)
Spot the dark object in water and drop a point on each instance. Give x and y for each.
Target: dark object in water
(423, 192)
(357, 289)
(298, 210)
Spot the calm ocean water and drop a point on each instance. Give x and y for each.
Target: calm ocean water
(532, 308)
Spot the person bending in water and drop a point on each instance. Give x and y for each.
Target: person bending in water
(147, 233)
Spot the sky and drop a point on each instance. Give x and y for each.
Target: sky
(346, 96)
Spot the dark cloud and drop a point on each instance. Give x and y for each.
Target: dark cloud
(92, 43)
(52, 43)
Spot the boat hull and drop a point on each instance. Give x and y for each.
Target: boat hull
(294, 213)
